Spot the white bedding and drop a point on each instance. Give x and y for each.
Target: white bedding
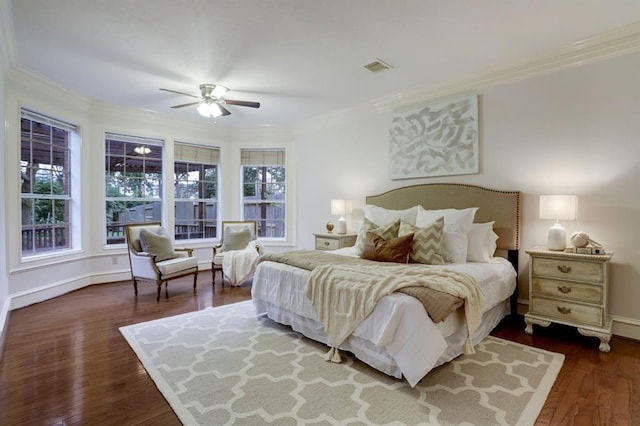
(398, 337)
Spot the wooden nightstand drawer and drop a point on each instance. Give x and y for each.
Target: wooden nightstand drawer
(567, 269)
(327, 243)
(567, 290)
(573, 313)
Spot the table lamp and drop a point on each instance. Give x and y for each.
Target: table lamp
(557, 207)
(341, 208)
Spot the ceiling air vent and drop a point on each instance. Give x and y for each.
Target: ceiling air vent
(377, 66)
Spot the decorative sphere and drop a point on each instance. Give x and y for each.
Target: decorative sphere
(580, 239)
(329, 227)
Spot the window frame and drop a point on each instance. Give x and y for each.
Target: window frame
(266, 158)
(189, 154)
(152, 202)
(63, 237)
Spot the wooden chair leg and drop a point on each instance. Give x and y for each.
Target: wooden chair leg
(213, 276)
(195, 279)
(135, 286)
(159, 285)
(166, 289)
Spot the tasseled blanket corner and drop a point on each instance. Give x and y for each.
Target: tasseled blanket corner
(468, 347)
(333, 356)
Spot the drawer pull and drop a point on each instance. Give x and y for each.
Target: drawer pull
(326, 243)
(564, 289)
(564, 269)
(564, 310)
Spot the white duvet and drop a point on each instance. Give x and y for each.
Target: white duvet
(398, 337)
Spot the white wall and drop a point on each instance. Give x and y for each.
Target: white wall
(35, 279)
(572, 131)
(4, 285)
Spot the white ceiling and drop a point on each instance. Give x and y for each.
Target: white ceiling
(298, 58)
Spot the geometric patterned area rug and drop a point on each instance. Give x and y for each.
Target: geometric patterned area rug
(224, 366)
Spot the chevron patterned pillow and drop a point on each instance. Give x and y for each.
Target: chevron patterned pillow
(387, 232)
(425, 247)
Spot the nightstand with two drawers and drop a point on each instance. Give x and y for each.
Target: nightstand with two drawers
(334, 241)
(570, 289)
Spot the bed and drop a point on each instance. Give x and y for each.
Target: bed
(398, 337)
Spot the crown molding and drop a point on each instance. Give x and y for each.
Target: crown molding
(618, 42)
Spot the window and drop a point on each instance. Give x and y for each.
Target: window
(263, 190)
(133, 183)
(45, 171)
(195, 180)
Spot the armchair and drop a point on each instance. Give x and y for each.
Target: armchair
(236, 235)
(153, 258)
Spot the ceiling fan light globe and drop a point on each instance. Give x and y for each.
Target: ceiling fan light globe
(204, 110)
(219, 91)
(215, 110)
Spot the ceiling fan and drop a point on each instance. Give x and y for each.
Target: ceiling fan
(210, 102)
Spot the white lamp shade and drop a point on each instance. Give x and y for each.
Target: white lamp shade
(338, 207)
(558, 207)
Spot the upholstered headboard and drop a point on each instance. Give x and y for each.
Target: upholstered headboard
(503, 207)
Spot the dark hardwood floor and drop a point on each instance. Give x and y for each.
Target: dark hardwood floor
(66, 363)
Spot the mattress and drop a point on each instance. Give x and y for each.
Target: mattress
(398, 337)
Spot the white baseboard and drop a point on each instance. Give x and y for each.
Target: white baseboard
(4, 321)
(49, 291)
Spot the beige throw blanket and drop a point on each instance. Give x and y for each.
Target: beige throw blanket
(238, 265)
(344, 295)
(437, 303)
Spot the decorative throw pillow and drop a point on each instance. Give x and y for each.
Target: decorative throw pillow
(393, 250)
(482, 242)
(383, 216)
(387, 231)
(457, 224)
(236, 238)
(425, 247)
(157, 243)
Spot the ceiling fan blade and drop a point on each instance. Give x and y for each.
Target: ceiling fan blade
(224, 110)
(185, 105)
(242, 103)
(180, 93)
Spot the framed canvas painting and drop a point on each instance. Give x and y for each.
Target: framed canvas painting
(439, 139)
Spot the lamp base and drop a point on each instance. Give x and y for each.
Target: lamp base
(557, 237)
(341, 226)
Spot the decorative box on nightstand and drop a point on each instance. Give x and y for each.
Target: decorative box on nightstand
(334, 241)
(570, 289)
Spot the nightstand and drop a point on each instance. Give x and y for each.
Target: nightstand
(334, 241)
(570, 289)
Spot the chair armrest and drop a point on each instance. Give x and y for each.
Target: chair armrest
(216, 248)
(259, 248)
(143, 265)
(188, 250)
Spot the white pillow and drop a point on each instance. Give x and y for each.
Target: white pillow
(381, 216)
(455, 220)
(454, 247)
(457, 224)
(482, 242)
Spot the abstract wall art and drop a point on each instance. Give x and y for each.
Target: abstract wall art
(438, 139)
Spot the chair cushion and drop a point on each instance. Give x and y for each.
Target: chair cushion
(236, 239)
(158, 244)
(177, 265)
(217, 259)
